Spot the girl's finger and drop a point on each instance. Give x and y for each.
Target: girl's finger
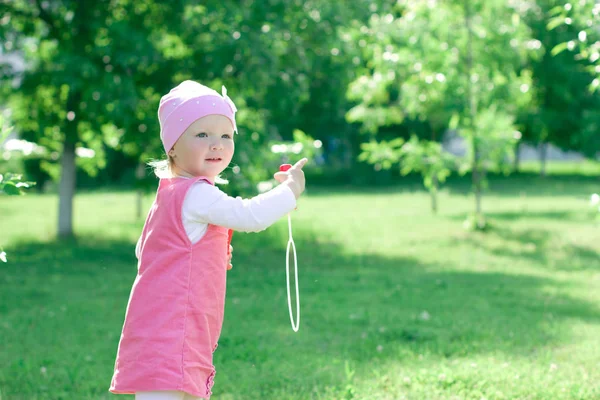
(280, 176)
(300, 163)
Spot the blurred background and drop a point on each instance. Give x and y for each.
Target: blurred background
(448, 238)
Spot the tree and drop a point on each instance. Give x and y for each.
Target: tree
(96, 73)
(562, 110)
(575, 25)
(425, 157)
(288, 65)
(587, 49)
(446, 64)
(84, 83)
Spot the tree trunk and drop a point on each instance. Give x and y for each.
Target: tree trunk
(479, 193)
(434, 181)
(543, 147)
(66, 190)
(475, 169)
(517, 163)
(477, 189)
(68, 167)
(433, 192)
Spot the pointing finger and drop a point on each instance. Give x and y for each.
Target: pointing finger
(300, 163)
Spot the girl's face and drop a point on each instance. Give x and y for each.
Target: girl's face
(205, 148)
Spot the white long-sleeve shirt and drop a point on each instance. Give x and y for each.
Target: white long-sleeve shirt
(207, 204)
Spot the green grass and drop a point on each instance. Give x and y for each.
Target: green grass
(395, 303)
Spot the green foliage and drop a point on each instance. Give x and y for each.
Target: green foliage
(424, 64)
(422, 75)
(10, 184)
(289, 65)
(287, 151)
(495, 136)
(427, 158)
(383, 154)
(114, 62)
(102, 95)
(584, 16)
(572, 74)
(13, 184)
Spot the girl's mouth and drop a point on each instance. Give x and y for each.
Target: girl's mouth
(213, 159)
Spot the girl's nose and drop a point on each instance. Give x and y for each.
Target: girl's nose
(217, 145)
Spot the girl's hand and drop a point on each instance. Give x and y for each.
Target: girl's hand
(229, 266)
(293, 177)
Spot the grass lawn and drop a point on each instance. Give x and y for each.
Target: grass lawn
(395, 303)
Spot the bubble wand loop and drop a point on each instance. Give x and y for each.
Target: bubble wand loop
(291, 244)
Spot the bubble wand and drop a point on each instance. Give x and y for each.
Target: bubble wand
(296, 326)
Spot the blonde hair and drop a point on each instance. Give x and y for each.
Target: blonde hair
(165, 169)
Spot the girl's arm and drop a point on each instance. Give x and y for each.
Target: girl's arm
(208, 204)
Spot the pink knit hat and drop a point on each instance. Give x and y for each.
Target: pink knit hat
(186, 103)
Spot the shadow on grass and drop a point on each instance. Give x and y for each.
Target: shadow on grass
(556, 214)
(538, 245)
(510, 216)
(358, 307)
(529, 184)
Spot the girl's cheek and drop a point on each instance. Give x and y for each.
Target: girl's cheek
(199, 145)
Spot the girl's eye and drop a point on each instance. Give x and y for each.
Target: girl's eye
(200, 134)
(227, 135)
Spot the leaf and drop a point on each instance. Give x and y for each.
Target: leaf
(515, 19)
(594, 85)
(454, 121)
(554, 22)
(557, 10)
(13, 177)
(559, 48)
(11, 188)
(428, 181)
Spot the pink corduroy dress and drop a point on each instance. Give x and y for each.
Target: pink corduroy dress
(176, 306)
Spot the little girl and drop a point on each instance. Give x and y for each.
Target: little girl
(175, 310)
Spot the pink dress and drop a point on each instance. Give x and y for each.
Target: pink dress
(176, 306)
